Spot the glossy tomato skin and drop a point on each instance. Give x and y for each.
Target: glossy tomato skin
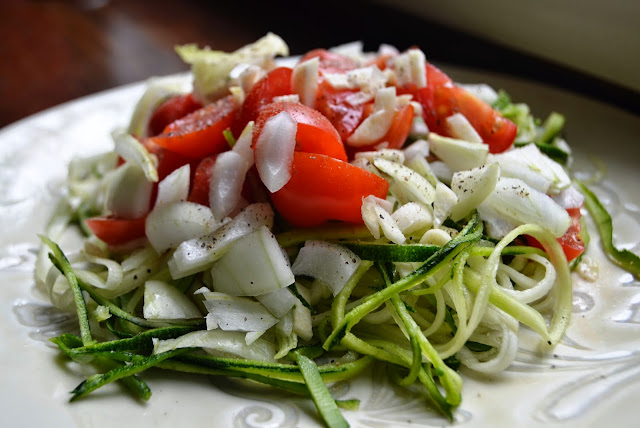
(333, 104)
(172, 109)
(315, 134)
(200, 133)
(116, 231)
(276, 83)
(322, 189)
(441, 98)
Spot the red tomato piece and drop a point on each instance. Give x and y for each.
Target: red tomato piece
(441, 98)
(333, 104)
(170, 110)
(200, 133)
(200, 187)
(323, 189)
(330, 62)
(117, 231)
(276, 83)
(315, 133)
(168, 161)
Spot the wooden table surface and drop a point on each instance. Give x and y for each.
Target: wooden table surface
(56, 51)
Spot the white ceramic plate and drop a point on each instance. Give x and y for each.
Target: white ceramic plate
(591, 379)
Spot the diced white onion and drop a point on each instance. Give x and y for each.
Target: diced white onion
(225, 186)
(274, 151)
(413, 216)
(411, 182)
(232, 313)
(472, 187)
(445, 200)
(481, 90)
(391, 155)
(196, 255)
(304, 81)
(174, 187)
(533, 167)
(376, 216)
(278, 302)
(517, 202)
(457, 154)
(411, 68)
(460, 127)
(167, 226)
(374, 127)
(569, 198)
(164, 301)
(131, 150)
(419, 148)
(129, 192)
(331, 263)
(268, 270)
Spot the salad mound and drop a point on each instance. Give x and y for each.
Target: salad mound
(293, 223)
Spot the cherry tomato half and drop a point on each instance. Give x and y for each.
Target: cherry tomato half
(322, 188)
(170, 110)
(200, 133)
(441, 98)
(315, 133)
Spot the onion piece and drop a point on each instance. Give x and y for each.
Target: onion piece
(129, 192)
(274, 151)
(376, 126)
(376, 217)
(196, 255)
(515, 201)
(472, 187)
(457, 154)
(268, 270)
(232, 313)
(304, 81)
(413, 216)
(411, 68)
(533, 167)
(164, 301)
(174, 187)
(225, 186)
(418, 187)
(279, 302)
(230, 344)
(443, 203)
(331, 263)
(460, 127)
(131, 150)
(167, 226)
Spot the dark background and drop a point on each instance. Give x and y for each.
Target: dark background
(55, 51)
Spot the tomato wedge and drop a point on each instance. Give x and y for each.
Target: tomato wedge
(323, 189)
(332, 103)
(116, 231)
(315, 133)
(441, 98)
(276, 83)
(170, 110)
(199, 133)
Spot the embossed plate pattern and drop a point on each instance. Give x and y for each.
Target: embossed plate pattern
(593, 378)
